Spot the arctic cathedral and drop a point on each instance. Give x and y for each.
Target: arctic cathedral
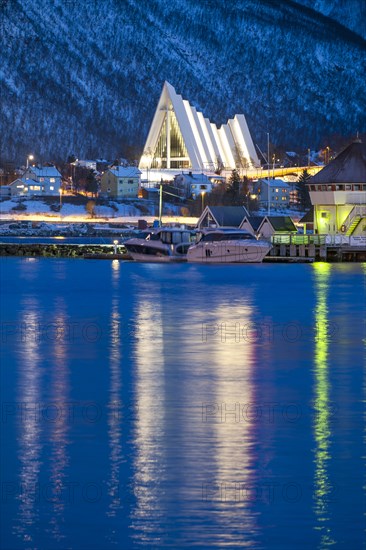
(181, 138)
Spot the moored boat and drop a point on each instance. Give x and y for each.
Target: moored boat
(165, 244)
(227, 245)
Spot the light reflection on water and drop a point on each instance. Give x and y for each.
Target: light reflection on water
(195, 444)
(29, 434)
(322, 428)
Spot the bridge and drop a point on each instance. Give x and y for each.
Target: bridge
(258, 173)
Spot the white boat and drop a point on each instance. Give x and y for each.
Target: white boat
(227, 245)
(165, 244)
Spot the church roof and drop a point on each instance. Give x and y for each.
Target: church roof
(348, 167)
(206, 145)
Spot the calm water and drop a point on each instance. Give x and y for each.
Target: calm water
(182, 406)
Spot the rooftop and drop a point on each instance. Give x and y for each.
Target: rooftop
(348, 167)
(125, 171)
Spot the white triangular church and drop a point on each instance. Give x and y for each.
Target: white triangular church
(181, 138)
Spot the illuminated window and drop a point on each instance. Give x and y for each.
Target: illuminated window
(51, 188)
(277, 190)
(52, 180)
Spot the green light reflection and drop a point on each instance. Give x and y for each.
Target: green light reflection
(323, 486)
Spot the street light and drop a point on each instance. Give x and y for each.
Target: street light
(115, 243)
(29, 157)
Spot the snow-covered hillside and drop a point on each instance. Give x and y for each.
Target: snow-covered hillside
(84, 76)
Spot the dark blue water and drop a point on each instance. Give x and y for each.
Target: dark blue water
(179, 406)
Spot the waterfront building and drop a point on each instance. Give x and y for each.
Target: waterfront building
(222, 216)
(180, 137)
(338, 193)
(276, 225)
(251, 224)
(121, 182)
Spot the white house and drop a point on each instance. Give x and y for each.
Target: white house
(25, 187)
(45, 180)
(192, 185)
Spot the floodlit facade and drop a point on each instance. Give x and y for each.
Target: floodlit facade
(181, 138)
(338, 193)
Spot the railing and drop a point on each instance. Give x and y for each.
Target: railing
(356, 211)
(290, 238)
(328, 240)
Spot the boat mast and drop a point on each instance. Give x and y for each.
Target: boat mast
(160, 202)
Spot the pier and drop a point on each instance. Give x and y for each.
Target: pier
(326, 248)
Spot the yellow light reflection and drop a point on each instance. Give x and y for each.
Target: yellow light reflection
(322, 430)
(178, 372)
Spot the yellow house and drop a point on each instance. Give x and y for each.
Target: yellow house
(338, 193)
(121, 182)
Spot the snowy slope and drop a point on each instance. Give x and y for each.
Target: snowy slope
(84, 76)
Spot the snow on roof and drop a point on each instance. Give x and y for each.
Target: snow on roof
(125, 171)
(45, 171)
(274, 183)
(23, 180)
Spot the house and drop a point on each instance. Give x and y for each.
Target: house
(219, 216)
(278, 191)
(45, 180)
(278, 225)
(194, 185)
(26, 187)
(338, 193)
(121, 181)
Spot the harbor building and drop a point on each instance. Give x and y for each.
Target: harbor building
(181, 138)
(338, 193)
